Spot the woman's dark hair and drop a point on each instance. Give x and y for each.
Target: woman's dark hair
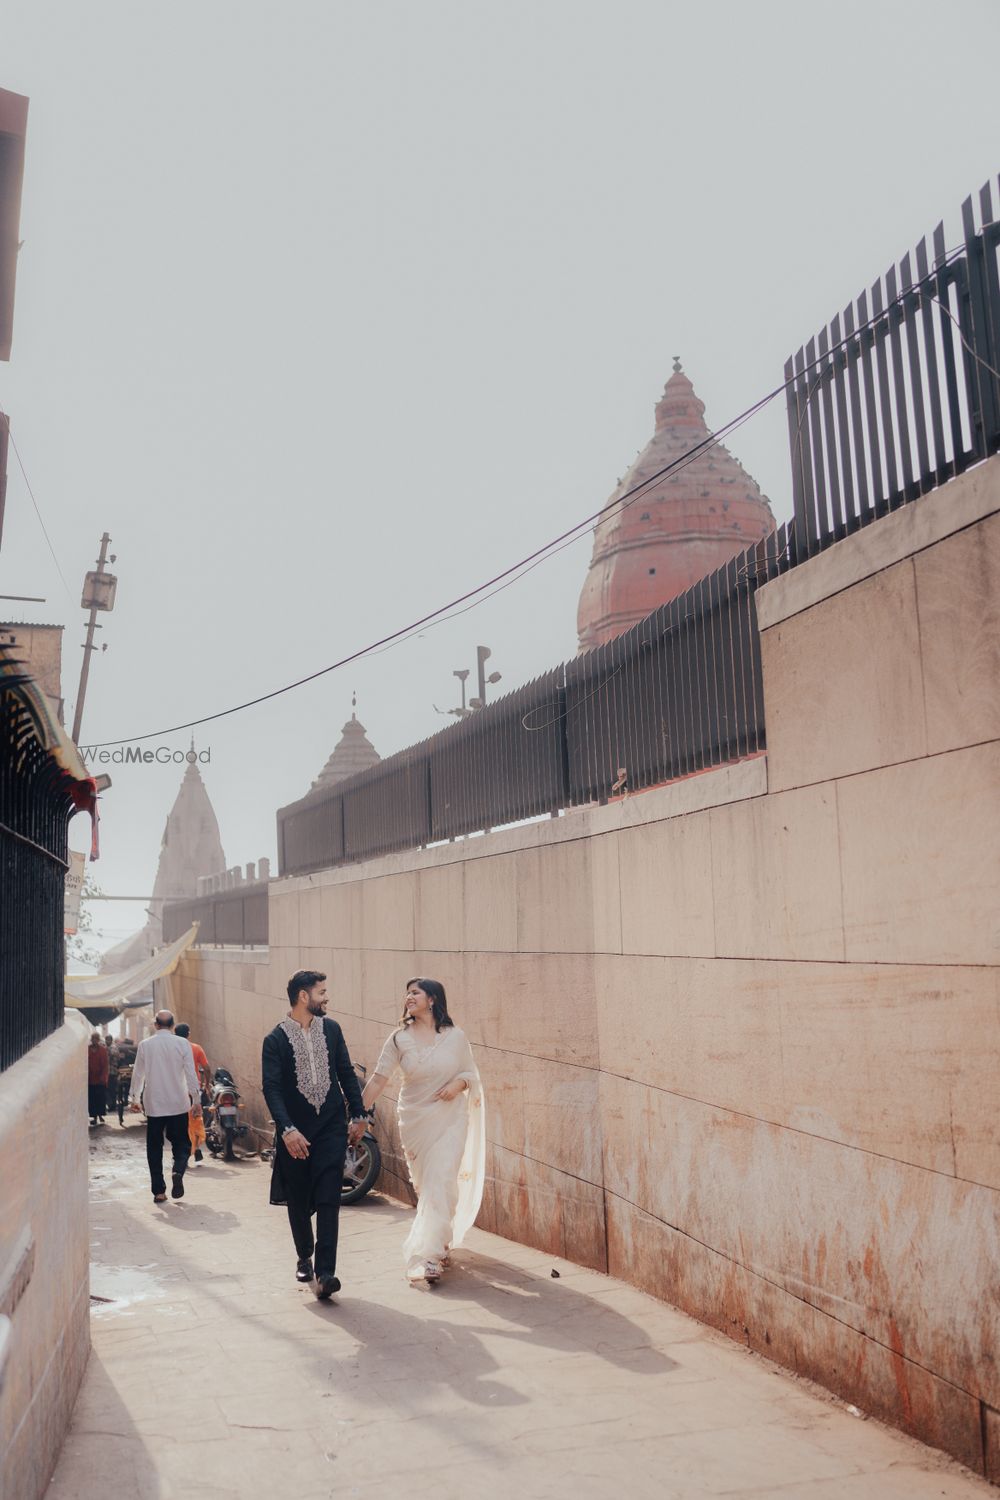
(439, 1002)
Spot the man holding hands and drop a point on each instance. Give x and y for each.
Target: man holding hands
(307, 1077)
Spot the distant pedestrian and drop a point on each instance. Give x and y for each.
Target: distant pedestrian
(165, 1080)
(112, 1091)
(196, 1122)
(307, 1079)
(97, 1079)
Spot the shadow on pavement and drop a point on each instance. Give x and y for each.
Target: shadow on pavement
(210, 1220)
(553, 1314)
(414, 1355)
(104, 1446)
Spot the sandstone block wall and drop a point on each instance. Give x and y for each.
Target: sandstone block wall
(44, 1254)
(740, 1035)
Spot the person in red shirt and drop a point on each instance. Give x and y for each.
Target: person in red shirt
(97, 1079)
(196, 1123)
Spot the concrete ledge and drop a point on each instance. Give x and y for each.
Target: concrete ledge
(676, 799)
(44, 1254)
(969, 498)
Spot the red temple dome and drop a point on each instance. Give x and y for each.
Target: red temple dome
(683, 527)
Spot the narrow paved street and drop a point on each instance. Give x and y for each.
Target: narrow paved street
(214, 1374)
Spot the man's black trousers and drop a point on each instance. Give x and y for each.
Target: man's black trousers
(315, 1186)
(176, 1129)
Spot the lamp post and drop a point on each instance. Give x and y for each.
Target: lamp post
(483, 654)
(462, 675)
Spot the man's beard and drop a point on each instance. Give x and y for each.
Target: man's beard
(316, 1007)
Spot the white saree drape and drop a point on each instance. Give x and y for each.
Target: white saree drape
(444, 1141)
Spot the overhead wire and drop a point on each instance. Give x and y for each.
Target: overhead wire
(476, 596)
(38, 513)
(652, 481)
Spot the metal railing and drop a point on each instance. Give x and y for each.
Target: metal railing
(236, 919)
(679, 692)
(895, 397)
(36, 803)
(901, 392)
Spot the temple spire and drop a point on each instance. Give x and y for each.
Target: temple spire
(685, 525)
(352, 753)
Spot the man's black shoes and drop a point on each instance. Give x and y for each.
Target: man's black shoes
(177, 1189)
(304, 1270)
(326, 1286)
(198, 1155)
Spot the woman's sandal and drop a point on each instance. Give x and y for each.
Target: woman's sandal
(432, 1272)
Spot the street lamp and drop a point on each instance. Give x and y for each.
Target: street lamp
(483, 654)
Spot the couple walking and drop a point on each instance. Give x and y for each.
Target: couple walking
(308, 1076)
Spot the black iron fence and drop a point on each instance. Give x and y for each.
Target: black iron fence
(235, 918)
(896, 396)
(37, 799)
(679, 692)
(902, 392)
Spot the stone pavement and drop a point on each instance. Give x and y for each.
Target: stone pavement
(213, 1374)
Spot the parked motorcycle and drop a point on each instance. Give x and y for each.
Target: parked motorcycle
(222, 1116)
(363, 1162)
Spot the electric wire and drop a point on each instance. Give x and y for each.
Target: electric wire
(541, 554)
(38, 513)
(483, 591)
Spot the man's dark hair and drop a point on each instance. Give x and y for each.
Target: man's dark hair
(302, 979)
(182, 1029)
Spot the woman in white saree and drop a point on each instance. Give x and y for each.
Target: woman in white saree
(441, 1125)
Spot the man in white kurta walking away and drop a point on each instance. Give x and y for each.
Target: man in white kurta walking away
(165, 1080)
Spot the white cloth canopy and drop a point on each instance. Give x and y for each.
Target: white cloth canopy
(92, 990)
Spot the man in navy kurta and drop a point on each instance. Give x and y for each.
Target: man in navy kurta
(310, 1085)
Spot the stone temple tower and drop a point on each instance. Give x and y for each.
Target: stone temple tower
(190, 847)
(683, 527)
(352, 753)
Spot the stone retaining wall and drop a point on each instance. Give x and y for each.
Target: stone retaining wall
(44, 1254)
(740, 1035)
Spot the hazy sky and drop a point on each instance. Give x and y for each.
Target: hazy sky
(328, 312)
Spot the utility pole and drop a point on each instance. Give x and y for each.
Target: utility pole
(98, 594)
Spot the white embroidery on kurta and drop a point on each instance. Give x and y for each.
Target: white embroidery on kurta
(312, 1060)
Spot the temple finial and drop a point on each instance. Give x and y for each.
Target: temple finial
(677, 364)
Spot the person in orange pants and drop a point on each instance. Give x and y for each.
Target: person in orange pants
(196, 1123)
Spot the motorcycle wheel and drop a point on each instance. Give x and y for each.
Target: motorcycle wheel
(361, 1169)
(229, 1154)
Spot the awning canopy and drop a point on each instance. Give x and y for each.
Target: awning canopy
(113, 992)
